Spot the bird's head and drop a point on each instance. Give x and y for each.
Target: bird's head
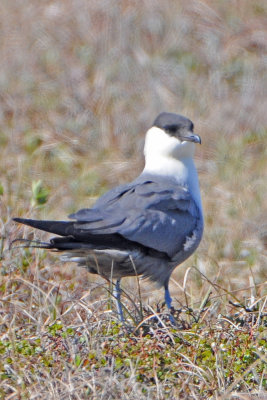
(171, 135)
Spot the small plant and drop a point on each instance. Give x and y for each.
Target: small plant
(39, 194)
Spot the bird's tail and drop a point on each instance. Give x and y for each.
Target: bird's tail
(62, 228)
(69, 239)
(26, 243)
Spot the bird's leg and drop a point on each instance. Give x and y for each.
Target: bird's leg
(117, 295)
(168, 302)
(168, 299)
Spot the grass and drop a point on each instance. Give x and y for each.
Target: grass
(80, 83)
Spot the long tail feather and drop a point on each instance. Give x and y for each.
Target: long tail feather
(63, 228)
(30, 243)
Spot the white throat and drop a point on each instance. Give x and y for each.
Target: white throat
(167, 156)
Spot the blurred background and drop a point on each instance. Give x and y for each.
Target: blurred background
(81, 82)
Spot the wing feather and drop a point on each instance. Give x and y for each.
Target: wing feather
(159, 215)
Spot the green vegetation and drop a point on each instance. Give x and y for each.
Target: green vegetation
(80, 83)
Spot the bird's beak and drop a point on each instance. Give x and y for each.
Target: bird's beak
(192, 137)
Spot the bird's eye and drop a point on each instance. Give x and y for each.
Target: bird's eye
(171, 128)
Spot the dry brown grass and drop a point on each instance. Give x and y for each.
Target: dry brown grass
(80, 82)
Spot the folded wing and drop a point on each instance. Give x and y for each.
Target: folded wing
(154, 213)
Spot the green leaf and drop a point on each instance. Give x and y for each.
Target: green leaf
(77, 360)
(39, 193)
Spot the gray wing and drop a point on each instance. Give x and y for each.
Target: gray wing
(154, 213)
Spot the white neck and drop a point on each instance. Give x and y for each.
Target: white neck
(168, 157)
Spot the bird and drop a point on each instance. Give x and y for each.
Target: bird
(146, 227)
